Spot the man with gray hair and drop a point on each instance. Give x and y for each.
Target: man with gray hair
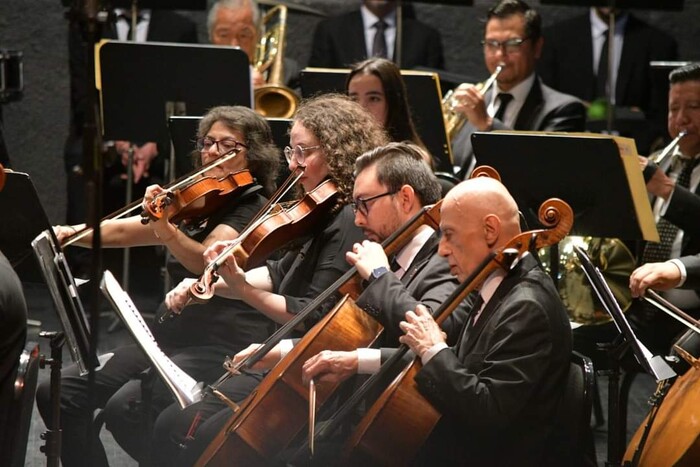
(236, 23)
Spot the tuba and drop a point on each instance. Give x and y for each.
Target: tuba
(274, 99)
(454, 120)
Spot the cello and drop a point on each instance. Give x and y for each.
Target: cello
(253, 435)
(399, 422)
(670, 434)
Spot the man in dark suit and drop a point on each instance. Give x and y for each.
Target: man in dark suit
(371, 31)
(152, 25)
(500, 387)
(675, 190)
(571, 63)
(519, 100)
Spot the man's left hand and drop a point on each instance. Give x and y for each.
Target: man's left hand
(421, 332)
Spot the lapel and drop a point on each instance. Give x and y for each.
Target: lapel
(469, 339)
(355, 31)
(531, 108)
(421, 259)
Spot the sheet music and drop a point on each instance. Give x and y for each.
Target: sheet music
(185, 389)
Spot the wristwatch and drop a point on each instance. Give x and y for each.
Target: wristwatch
(378, 272)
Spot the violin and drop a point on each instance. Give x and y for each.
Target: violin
(182, 181)
(268, 234)
(199, 199)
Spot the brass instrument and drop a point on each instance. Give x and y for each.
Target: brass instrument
(611, 257)
(454, 120)
(274, 99)
(669, 149)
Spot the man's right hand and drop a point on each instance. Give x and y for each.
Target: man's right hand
(179, 297)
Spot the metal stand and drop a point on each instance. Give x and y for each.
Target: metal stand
(52, 436)
(616, 436)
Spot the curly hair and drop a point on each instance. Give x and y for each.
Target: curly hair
(399, 123)
(345, 130)
(262, 155)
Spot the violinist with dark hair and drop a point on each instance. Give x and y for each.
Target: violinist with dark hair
(196, 341)
(328, 133)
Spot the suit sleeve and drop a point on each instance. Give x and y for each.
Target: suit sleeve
(692, 268)
(387, 299)
(570, 116)
(683, 211)
(494, 381)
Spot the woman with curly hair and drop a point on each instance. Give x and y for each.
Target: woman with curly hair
(328, 133)
(196, 341)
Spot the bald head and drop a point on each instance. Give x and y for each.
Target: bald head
(478, 217)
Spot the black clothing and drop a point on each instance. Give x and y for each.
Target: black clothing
(13, 333)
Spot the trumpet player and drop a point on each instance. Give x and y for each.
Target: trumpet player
(674, 184)
(518, 100)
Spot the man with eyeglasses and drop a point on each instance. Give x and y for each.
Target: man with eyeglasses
(518, 100)
(235, 23)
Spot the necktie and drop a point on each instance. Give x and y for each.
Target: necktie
(504, 99)
(601, 82)
(379, 44)
(656, 252)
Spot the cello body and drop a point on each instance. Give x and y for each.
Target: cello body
(274, 414)
(674, 437)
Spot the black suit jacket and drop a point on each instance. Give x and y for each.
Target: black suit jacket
(567, 62)
(164, 26)
(692, 268)
(340, 42)
(567, 65)
(544, 110)
(499, 390)
(427, 281)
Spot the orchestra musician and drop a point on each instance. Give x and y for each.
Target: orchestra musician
(498, 389)
(519, 100)
(196, 341)
(683, 272)
(376, 83)
(328, 133)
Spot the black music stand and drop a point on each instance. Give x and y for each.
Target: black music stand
(654, 365)
(424, 99)
(598, 175)
(23, 219)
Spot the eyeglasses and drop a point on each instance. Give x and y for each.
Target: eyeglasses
(225, 35)
(509, 46)
(297, 153)
(223, 146)
(361, 204)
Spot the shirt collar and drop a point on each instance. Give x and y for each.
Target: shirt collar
(369, 18)
(600, 27)
(144, 15)
(519, 91)
(409, 252)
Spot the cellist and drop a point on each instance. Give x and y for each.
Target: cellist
(328, 133)
(195, 342)
(499, 387)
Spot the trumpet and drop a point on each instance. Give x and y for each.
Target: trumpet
(669, 149)
(454, 121)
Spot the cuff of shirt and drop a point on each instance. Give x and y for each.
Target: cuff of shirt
(285, 346)
(427, 356)
(684, 274)
(368, 361)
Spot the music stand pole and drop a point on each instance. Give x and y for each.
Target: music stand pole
(609, 90)
(52, 435)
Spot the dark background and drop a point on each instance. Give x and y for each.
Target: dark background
(36, 126)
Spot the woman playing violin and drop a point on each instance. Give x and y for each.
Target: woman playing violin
(197, 341)
(327, 135)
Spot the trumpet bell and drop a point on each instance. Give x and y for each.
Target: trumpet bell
(611, 257)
